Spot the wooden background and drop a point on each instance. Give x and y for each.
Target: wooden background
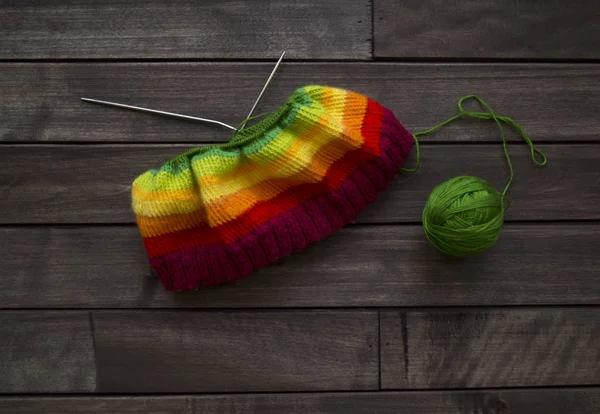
(370, 320)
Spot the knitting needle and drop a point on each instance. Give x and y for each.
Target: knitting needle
(265, 87)
(139, 108)
(193, 118)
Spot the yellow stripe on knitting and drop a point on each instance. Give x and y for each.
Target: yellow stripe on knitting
(229, 208)
(300, 157)
(216, 165)
(150, 187)
(334, 102)
(328, 101)
(165, 182)
(300, 154)
(250, 174)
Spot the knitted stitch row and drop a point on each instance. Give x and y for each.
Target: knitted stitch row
(215, 214)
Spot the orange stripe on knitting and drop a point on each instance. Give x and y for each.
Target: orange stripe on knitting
(228, 208)
(355, 107)
(310, 136)
(354, 111)
(259, 213)
(296, 146)
(246, 197)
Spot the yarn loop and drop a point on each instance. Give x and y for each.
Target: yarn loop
(464, 215)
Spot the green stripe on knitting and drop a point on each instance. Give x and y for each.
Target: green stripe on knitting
(275, 144)
(217, 165)
(285, 116)
(301, 99)
(259, 136)
(282, 139)
(218, 154)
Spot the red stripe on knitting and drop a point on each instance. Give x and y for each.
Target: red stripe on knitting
(259, 213)
(371, 126)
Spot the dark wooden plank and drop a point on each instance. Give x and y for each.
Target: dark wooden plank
(185, 29)
(530, 401)
(100, 405)
(393, 361)
(358, 266)
(534, 29)
(236, 351)
(46, 352)
(497, 348)
(74, 268)
(92, 184)
(40, 102)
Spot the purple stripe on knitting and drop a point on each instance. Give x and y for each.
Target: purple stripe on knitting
(309, 222)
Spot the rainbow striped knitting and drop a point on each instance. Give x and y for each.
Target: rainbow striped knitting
(215, 214)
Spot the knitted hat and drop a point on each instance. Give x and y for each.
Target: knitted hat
(215, 214)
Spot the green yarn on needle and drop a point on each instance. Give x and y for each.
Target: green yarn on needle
(464, 215)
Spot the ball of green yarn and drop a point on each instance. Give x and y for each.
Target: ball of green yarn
(463, 216)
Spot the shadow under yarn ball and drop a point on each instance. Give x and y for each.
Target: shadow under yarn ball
(463, 216)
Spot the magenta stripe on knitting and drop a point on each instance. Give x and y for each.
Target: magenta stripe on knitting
(309, 222)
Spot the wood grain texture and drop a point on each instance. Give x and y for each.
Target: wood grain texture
(534, 29)
(99, 405)
(156, 29)
(393, 360)
(92, 184)
(532, 401)
(497, 348)
(147, 352)
(41, 102)
(47, 352)
(101, 267)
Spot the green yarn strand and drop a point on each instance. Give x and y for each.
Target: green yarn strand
(464, 215)
(499, 119)
(250, 118)
(535, 152)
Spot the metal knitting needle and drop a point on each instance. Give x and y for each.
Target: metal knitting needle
(139, 108)
(264, 88)
(188, 117)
